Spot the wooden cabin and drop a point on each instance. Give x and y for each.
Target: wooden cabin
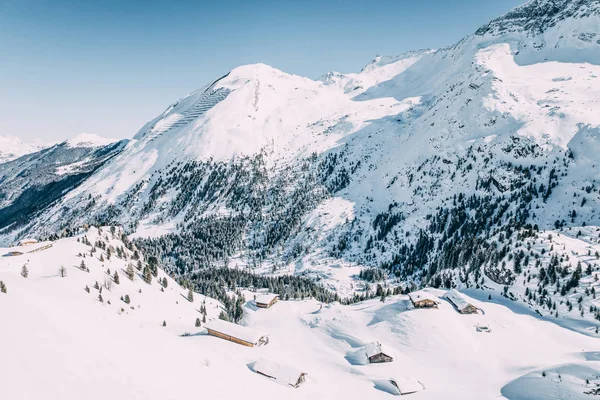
(27, 242)
(13, 254)
(459, 302)
(235, 333)
(423, 299)
(282, 374)
(375, 353)
(266, 300)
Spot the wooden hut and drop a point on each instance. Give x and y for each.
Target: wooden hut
(235, 333)
(282, 374)
(375, 353)
(27, 242)
(266, 300)
(423, 299)
(459, 302)
(13, 254)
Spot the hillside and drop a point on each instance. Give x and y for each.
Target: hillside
(72, 345)
(33, 182)
(472, 166)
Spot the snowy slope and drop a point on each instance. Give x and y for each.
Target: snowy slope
(72, 345)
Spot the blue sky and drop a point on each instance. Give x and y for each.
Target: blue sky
(108, 66)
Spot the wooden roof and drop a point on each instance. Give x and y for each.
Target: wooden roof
(243, 333)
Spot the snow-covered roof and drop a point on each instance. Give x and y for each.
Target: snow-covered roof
(423, 295)
(27, 241)
(283, 374)
(408, 385)
(456, 298)
(266, 298)
(373, 349)
(237, 331)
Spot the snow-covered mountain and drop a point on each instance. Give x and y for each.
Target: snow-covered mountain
(32, 182)
(12, 147)
(89, 140)
(437, 165)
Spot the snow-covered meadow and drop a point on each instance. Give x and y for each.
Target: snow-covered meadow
(61, 342)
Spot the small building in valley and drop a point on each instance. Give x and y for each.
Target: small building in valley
(27, 242)
(282, 374)
(459, 302)
(266, 300)
(375, 353)
(236, 333)
(13, 254)
(423, 299)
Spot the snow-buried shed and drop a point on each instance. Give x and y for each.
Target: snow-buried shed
(406, 385)
(459, 302)
(282, 374)
(236, 333)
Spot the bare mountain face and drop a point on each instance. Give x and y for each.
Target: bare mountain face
(429, 164)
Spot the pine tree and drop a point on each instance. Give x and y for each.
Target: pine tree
(82, 266)
(147, 275)
(2, 287)
(116, 278)
(190, 296)
(126, 299)
(130, 272)
(164, 323)
(100, 299)
(198, 322)
(62, 271)
(24, 271)
(204, 318)
(101, 258)
(87, 289)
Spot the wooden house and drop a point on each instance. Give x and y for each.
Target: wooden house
(282, 374)
(459, 302)
(27, 242)
(13, 254)
(235, 333)
(375, 353)
(423, 299)
(266, 300)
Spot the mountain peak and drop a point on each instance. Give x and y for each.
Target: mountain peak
(255, 71)
(89, 140)
(536, 16)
